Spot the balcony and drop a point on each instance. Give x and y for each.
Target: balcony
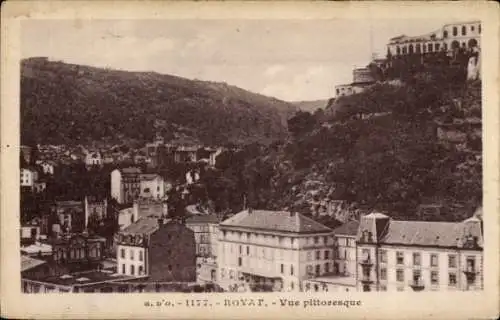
(470, 272)
(417, 285)
(366, 262)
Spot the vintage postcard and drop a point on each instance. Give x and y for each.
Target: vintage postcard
(253, 160)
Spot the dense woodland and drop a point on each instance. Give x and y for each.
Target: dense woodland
(72, 104)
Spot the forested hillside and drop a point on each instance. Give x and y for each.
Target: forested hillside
(66, 103)
(390, 148)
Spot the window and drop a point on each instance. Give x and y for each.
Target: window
(325, 240)
(239, 262)
(383, 256)
(398, 50)
(309, 256)
(131, 254)
(291, 270)
(472, 28)
(464, 30)
(452, 279)
(400, 257)
(141, 270)
(429, 47)
(455, 31)
(327, 267)
(400, 275)
(318, 255)
(327, 254)
(434, 277)
(452, 261)
(282, 268)
(383, 274)
(309, 269)
(240, 249)
(122, 253)
(316, 240)
(416, 259)
(471, 263)
(445, 34)
(141, 256)
(479, 28)
(436, 47)
(416, 275)
(318, 270)
(123, 268)
(248, 250)
(132, 270)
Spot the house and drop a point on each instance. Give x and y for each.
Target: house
(186, 154)
(28, 177)
(345, 255)
(47, 166)
(71, 216)
(125, 184)
(272, 250)
(152, 186)
(95, 209)
(163, 250)
(395, 255)
(93, 159)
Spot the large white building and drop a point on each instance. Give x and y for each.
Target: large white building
(28, 177)
(419, 255)
(152, 186)
(272, 250)
(447, 38)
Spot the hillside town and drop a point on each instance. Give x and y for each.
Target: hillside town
(127, 219)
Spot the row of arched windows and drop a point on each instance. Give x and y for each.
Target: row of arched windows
(434, 47)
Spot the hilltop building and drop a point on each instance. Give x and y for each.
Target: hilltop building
(419, 255)
(449, 37)
(272, 250)
(362, 78)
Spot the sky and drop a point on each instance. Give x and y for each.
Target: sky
(291, 60)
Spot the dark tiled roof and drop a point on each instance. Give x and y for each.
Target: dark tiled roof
(349, 228)
(203, 218)
(426, 233)
(275, 221)
(144, 225)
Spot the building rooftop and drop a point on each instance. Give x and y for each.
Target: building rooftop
(144, 225)
(275, 221)
(130, 170)
(349, 228)
(440, 234)
(28, 263)
(37, 248)
(82, 278)
(149, 176)
(203, 218)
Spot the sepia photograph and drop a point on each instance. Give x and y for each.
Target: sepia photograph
(234, 156)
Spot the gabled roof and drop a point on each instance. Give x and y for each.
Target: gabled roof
(349, 228)
(275, 221)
